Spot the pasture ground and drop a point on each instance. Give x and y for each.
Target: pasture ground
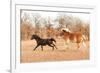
(63, 53)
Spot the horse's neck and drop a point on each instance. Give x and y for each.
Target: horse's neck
(38, 39)
(66, 33)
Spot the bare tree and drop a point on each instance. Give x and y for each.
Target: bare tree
(36, 20)
(26, 30)
(26, 27)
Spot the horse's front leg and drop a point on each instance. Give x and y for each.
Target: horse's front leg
(36, 47)
(51, 46)
(42, 47)
(54, 46)
(66, 43)
(78, 46)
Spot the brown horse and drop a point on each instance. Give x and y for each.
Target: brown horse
(76, 37)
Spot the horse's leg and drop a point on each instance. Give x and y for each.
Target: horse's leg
(51, 46)
(35, 47)
(54, 46)
(42, 47)
(66, 43)
(78, 46)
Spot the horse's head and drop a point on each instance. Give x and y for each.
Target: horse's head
(32, 37)
(35, 37)
(63, 32)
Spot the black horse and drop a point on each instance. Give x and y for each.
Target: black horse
(43, 42)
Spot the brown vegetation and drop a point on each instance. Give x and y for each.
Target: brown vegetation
(46, 29)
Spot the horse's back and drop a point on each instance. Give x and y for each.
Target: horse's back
(74, 36)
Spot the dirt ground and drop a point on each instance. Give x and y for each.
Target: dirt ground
(63, 53)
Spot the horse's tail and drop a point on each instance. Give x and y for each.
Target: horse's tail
(52, 39)
(84, 39)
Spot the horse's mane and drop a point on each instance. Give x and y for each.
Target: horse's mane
(36, 36)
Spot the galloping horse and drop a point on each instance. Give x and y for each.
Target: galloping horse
(73, 36)
(43, 42)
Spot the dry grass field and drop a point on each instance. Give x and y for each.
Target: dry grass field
(61, 54)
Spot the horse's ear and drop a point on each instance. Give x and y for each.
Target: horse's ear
(63, 30)
(32, 34)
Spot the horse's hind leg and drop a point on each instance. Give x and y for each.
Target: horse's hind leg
(35, 47)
